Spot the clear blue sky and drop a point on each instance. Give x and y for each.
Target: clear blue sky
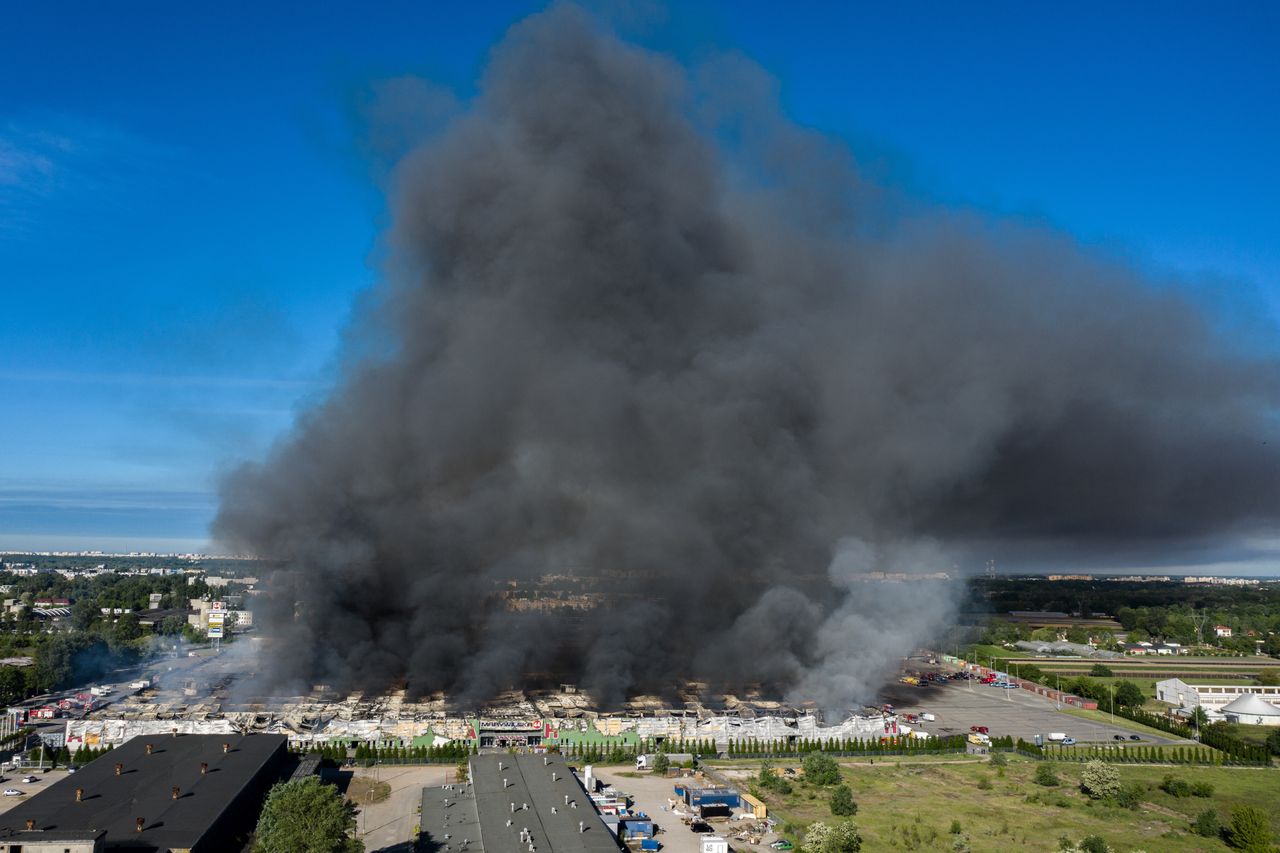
(185, 217)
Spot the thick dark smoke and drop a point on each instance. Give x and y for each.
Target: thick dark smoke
(638, 330)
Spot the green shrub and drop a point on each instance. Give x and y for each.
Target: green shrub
(842, 804)
(1207, 824)
(1202, 789)
(1250, 830)
(1045, 775)
(1175, 787)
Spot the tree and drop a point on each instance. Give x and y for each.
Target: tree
(842, 804)
(1093, 844)
(661, 764)
(1076, 634)
(1199, 718)
(1207, 824)
(1250, 830)
(1099, 781)
(1129, 695)
(1269, 677)
(839, 837)
(1101, 670)
(820, 769)
(306, 817)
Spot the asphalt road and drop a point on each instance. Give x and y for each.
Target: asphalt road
(1020, 713)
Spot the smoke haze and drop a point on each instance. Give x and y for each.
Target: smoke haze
(636, 328)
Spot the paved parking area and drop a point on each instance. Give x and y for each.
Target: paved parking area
(1020, 713)
(652, 794)
(13, 779)
(388, 826)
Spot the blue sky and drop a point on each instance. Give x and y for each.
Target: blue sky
(186, 218)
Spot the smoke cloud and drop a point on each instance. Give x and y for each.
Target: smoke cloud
(638, 331)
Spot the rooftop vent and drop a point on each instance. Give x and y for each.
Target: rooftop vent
(139, 824)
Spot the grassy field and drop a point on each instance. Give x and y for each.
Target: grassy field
(912, 806)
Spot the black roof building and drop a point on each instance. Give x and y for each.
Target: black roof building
(514, 804)
(159, 793)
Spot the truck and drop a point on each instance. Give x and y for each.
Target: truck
(101, 690)
(141, 684)
(1057, 736)
(927, 717)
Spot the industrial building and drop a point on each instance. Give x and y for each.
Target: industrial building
(1212, 697)
(192, 793)
(514, 804)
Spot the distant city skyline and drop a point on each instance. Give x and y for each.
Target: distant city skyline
(189, 208)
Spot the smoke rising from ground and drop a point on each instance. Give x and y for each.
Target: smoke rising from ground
(637, 328)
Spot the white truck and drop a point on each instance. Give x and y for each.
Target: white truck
(927, 717)
(101, 690)
(1057, 736)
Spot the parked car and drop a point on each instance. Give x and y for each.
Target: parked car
(29, 779)
(1135, 737)
(12, 792)
(1117, 737)
(1068, 741)
(980, 730)
(782, 845)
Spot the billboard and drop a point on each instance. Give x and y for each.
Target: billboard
(216, 622)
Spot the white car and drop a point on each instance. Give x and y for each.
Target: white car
(12, 792)
(29, 779)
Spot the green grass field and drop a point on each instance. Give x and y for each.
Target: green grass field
(912, 806)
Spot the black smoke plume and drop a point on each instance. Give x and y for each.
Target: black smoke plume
(638, 331)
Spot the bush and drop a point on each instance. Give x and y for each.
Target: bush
(661, 764)
(1093, 844)
(1129, 796)
(1100, 781)
(1250, 830)
(998, 759)
(842, 804)
(984, 783)
(1101, 670)
(1045, 776)
(1175, 787)
(1207, 824)
(956, 829)
(820, 769)
(1202, 789)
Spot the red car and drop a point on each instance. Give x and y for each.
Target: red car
(982, 730)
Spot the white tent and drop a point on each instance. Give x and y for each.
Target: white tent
(1253, 711)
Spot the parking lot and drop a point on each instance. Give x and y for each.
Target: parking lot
(959, 705)
(651, 794)
(13, 779)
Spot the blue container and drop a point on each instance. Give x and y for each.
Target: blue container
(650, 844)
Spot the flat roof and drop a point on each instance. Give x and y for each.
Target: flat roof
(508, 794)
(144, 789)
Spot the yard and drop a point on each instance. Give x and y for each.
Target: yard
(911, 806)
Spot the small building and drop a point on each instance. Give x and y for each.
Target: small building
(714, 844)
(1221, 631)
(754, 807)
(32, 840)
(1249, 710)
